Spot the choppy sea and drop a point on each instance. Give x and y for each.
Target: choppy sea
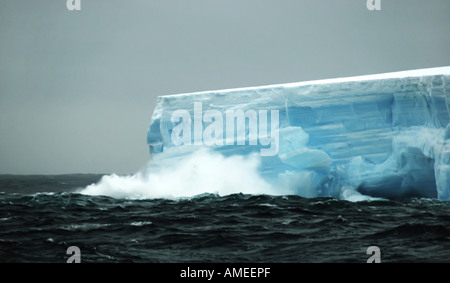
(42, 216)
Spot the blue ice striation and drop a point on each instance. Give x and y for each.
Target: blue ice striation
(375, 136)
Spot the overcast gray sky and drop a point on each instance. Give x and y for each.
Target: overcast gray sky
(78, 88)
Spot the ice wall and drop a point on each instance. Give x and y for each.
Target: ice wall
(383, 135)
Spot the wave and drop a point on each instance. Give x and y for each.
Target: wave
(195, 174)
(208, 172)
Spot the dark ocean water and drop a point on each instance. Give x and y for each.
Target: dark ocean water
(41, 216)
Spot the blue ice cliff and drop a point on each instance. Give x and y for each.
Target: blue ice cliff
(385, 135)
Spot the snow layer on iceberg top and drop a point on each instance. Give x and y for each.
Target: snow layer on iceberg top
(392, 75)
(384, 135)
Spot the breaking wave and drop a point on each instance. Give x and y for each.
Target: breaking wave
(199, 173)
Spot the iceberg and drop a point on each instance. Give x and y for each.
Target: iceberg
(375, 136)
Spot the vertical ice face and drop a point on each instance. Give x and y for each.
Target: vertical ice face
(381, 135)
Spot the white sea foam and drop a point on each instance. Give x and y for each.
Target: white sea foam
(195, 174)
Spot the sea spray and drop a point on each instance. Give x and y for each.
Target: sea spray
(195, 174)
